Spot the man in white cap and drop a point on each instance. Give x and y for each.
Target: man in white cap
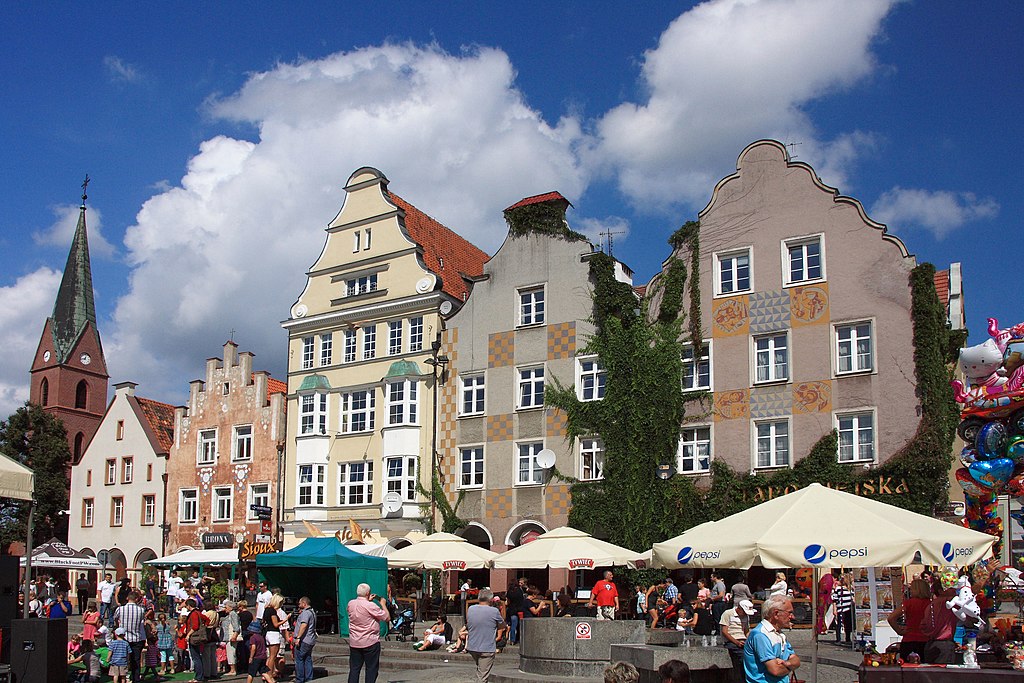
(735, 625)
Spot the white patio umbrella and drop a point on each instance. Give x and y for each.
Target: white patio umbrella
(565, 548)
(19, 482)
(441, 551)
(57, 554)
(821, 527)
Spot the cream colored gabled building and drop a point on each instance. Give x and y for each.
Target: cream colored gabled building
(360, 408)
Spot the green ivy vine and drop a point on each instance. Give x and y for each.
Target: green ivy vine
(630, 506)
(547, 218)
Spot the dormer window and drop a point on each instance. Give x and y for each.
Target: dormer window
(361, 285)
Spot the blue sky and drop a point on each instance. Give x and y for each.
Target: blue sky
(219, 135)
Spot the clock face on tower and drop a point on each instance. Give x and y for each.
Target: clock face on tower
(46, 357)
(85, 358)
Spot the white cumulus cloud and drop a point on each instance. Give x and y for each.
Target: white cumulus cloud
(940, 212)
(60, 232)
(120, 70)
(729, 72)
(24, 307)
(599, 230)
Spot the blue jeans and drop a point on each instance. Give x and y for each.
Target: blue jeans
(304, 662)
(513, 628)
(357, 656)
(195, 653)
(107, 614)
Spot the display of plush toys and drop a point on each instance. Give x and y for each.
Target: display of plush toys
(985, 368)
(1003, 337)
(963, 604)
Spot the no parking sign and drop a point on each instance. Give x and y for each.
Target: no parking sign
(583, 631)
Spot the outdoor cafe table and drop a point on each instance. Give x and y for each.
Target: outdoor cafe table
(935, 674)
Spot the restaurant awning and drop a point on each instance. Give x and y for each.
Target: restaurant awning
(195, 558)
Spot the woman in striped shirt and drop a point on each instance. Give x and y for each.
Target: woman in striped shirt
(842, 597)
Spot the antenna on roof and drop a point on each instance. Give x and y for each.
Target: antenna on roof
(608, 234)
(791, 145)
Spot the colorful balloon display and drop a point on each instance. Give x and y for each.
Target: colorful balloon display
(992, 424)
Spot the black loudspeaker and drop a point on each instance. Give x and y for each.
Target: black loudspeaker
(8, 601)
(39, 650)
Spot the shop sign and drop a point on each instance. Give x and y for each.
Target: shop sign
(218, 540)
(581, 563)
(869, 487)
(251, 548)
(453, 565)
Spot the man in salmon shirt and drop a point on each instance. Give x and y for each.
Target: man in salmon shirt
(364, 619)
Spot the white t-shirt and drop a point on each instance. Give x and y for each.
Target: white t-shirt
(106, 589)
(778, 588)
(173, 586)
(261, 602)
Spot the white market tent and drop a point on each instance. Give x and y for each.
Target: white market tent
(566, 548)
(16, 480)
(442, 551)
(823, 528)
(59, 555)
(195, 558)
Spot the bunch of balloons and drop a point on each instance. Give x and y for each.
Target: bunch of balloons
(992, 425)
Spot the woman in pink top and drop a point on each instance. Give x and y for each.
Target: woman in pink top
(364, 619)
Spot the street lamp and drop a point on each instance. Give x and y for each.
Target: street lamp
(437, 363)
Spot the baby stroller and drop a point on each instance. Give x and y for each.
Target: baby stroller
(401, 622)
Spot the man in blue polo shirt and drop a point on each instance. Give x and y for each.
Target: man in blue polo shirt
(767, 655)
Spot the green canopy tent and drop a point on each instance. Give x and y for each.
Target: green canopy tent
(323, 568)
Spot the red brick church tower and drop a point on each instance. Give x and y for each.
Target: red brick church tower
(69, 373)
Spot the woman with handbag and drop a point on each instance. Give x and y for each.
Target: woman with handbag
(197, 636)
(939, 624)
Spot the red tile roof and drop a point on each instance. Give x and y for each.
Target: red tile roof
(942, 288)
(445, 253)
(641, 290)
(275, 386)
(160, 417)
(540, 198)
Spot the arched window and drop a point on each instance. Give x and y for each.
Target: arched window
(82, 394)
(44, 392)
(79, 443)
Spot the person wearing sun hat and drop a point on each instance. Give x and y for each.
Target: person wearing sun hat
(735, 625)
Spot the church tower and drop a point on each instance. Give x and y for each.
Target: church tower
(69, 373)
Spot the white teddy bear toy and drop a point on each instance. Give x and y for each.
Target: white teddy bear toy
(964, 606)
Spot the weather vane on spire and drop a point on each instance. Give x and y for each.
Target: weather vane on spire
(85, 186)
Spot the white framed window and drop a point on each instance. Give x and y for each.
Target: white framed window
(326, 348)
(222, 503)
(471, 467)
(531, 306)
(356, 241)
(400, 476)
(259, 494)
(188, 506)
(591, 458)
(355, 483)
(117, 511)
(531, 388)
(528, 471)
(241, 447)
(311, 484)
(369, 341)
(772, 443)
(367, 235)
(403, 402)
(394, 337)
(854, 348)
(803, 260)
(361, 285)
(358, 411)
(313, 413)
(697, 367)
(694, 454)
(591, 378)
(148, 510)
(732, 272)
(856, 436)
(416, 333)
(350, 347)
(307, 352)
(111, 471)
(127, 470)
(207, 447)
(771, 358)
(88, 511)
(472, 402)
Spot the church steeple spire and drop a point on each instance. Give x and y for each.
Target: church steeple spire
(75, 306)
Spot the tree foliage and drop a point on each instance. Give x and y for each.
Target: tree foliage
(37, 440)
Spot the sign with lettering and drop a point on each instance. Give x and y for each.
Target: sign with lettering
(218, 540)
(248, 551)
(875, 486)
(262, 511)
(453, 565)
(266, 527)
(581, 563)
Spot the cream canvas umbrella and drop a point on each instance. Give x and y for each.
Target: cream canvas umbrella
(441, 551)
(565, 548)
(820, 527)
(16, 480)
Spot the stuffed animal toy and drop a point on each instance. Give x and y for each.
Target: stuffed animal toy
(1004, 337)
(981, 364)
(963, 604)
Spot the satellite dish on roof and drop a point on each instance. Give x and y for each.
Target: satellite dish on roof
(546, 459)
(391, 503)
(445, 308)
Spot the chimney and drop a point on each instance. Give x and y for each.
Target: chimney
(230, 353)
(260, 382)
(194, 388)
(245, 366)
(125, 388)
(212, 365)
